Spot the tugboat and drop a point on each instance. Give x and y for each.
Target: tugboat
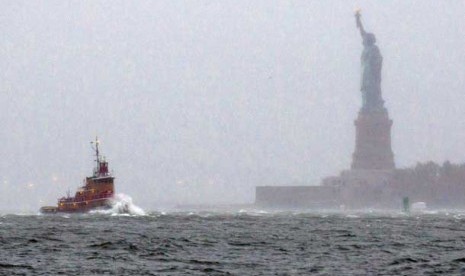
(97, 192)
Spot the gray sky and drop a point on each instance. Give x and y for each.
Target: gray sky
(200, 101)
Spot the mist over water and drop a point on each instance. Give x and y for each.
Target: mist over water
(198, 102)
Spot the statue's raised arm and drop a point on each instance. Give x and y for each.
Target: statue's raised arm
(359, 23)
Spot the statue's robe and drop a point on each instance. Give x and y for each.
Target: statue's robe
(371, 77)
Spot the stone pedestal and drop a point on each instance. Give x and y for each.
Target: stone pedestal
(373, 141)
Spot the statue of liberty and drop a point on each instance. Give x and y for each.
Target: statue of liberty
(372, 62)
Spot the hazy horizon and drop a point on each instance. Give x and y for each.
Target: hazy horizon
(201, 101)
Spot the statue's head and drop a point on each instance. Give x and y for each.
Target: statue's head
(369, 39)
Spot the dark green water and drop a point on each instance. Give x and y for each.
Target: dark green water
(234, 243)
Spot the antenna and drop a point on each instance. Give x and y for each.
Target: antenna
(97, 156)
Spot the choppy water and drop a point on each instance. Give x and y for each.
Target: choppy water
(235, 243)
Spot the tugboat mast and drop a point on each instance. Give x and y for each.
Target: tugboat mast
(97, 155)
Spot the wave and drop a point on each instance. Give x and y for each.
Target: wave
(122, 205)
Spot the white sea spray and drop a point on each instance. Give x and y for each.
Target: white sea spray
(122, 204)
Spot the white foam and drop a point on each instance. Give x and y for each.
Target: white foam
(418, 206)
(122, 205)
(352, 216)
